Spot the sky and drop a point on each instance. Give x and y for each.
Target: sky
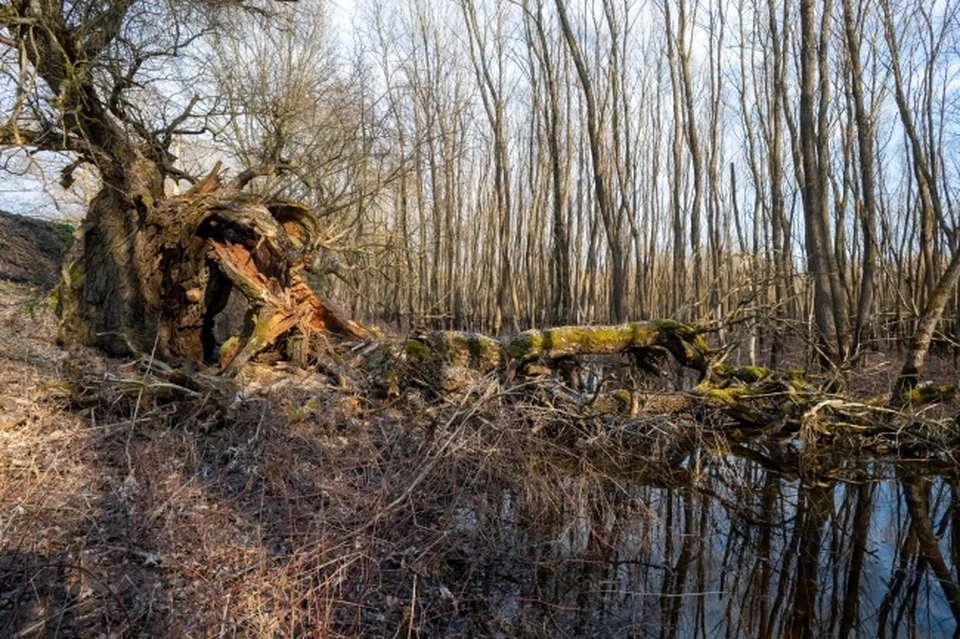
(29, 187)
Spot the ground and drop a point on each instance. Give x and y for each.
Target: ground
(305, 510)
(300, 504)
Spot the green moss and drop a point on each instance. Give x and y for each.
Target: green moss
(375, 360)
(261, 329)
(640, 331)
(310, 408)
(30, 306)
(795, 379)
(74, 273)
(727, 395)
(596, 337)
(416, 349)
(65, 232)
(750, 374)
(229, 347)
(566, 340)
(723, 370)
(928, 394)
(677, 328)
(624, 398)
(470, 349)
(525, 345)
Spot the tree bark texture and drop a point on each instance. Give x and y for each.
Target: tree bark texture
(152, 277)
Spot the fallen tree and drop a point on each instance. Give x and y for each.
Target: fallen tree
(148, 273)
(532, 377)
(647, 343)
(743, 399)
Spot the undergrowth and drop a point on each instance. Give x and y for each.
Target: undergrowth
(139, 503)
(305, 509)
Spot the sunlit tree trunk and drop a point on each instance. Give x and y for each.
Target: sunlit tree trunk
(601, 184)
(865, 155)
(830, 311)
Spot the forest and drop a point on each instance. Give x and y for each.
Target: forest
(780, 167)
(780, 171)
(480, 318)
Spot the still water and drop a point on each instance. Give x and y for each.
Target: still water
(750, 542)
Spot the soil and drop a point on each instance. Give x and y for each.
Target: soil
(30, 249)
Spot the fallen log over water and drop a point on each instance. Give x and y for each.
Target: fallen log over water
(741, 399)
(582, 379)
(434, 355)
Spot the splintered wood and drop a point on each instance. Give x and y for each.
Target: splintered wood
(213, 240)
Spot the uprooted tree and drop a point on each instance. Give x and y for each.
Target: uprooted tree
(189, 255)
(150, 273)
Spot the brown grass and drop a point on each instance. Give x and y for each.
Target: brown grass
(314, 506)
(309, 509)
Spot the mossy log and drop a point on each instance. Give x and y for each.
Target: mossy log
(643, 340)
(745, 399)
(430, 354)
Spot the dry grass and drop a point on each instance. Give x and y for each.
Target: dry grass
(313, 507)
(310, 509)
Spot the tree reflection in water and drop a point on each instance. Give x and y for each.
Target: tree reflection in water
(751, 543)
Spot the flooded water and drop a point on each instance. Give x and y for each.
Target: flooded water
(745, 543)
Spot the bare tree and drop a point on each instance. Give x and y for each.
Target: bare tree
(929, 177)
(604, 203)
(90, 78)
(830, 307)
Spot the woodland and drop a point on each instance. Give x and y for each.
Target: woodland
(450, 245)
(761, 169)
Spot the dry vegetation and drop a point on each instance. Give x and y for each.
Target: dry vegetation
(308, 509)
(140, 501)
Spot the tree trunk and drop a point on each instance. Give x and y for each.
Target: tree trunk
(151, 275)
(920, 344)
(102, 298)
(829, 299)
(611, 221)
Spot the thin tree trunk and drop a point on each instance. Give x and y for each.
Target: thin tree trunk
(600, 180)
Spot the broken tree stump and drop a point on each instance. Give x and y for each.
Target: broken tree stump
(197, 248)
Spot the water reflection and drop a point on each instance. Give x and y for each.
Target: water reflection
(755, 543)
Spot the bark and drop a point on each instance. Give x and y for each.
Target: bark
(639, 339)
(920, 344)
(937, 291)
(102, 300)
(149, 275)
(561, 302)
(830, 308)
(160, 288)
(865, 154)
(780, 235)
(611, 222)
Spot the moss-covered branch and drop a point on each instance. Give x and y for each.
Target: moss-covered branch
(639, 339)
